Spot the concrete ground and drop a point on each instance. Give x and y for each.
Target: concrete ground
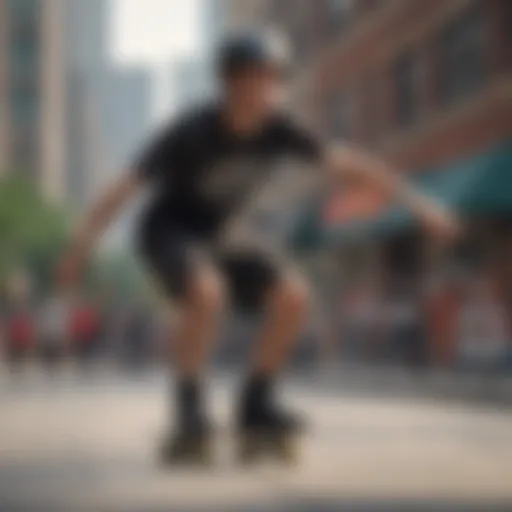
(87, 444)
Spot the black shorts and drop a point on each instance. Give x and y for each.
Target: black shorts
(173, 254)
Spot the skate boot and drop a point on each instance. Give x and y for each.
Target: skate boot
(191, 442)
(189, 445)
(270, 433)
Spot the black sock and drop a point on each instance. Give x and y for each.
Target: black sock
(188, 401)
(257, 394)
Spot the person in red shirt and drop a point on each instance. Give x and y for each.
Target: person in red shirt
(19, 335)
(84, 329)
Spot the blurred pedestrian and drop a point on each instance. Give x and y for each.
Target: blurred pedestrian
(407, 324)
(483, 327)
(85, 330)
(364, 321)
(53, 331)
(20, 335)
(137, 337)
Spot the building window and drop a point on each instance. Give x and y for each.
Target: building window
(508, 19)
(339, 15)
(407, 88)
(301, 41)
(285, 13)
(24, 105)
(24, 40)
(279, 12)
(463, 56)
(23, 11)
(23, 150)
(24, 56)
(374, 4)
(339, 114)
(370, 5)
(371, 88)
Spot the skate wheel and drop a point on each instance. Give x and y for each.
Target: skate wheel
(255, 446)
(286, 449)
(251, 448)
(191, 452)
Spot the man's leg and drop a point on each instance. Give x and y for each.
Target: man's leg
(286, 311)
(195, 332)
(287, 308)
(265, 426)
(197, 323)
(258, 281)
(193, 283)
(199, 312)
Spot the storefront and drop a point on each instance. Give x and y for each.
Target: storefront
(376, 241)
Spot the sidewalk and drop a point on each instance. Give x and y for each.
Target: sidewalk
(335, 378)
(429, 383)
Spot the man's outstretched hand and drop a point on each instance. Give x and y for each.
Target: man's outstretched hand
(442, 224)
(98, 218)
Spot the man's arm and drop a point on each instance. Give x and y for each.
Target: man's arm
(373, 172)
(95, 222)
(150, 165)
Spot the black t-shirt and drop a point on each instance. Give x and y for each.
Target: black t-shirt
(202, 172)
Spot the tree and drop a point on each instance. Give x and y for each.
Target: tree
(32, 231)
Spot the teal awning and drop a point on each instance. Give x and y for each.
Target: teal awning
(308, 232)
(478, 186)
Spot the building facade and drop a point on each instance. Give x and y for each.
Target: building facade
(52, 121)
(56, 85)
(245, 13)
(4, 112)
(422, 82)
(427, 85)
(88, 150)
(32, 83)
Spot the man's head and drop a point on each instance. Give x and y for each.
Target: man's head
(252, 68)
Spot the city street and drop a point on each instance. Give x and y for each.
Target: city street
(87, 443)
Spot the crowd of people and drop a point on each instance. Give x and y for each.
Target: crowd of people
(461, 322)
(54, 330)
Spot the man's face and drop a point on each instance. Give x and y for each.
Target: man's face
(258, 90)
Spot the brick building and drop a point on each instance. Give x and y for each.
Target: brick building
(241, 14)
(427, 84)
(424, 82)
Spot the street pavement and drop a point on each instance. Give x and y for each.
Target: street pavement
(87, 443)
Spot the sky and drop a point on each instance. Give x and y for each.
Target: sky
(156, 33)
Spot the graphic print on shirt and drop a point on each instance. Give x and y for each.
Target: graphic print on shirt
(230, 181)
(269, 209)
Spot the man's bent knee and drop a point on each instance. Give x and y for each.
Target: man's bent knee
(291, 297)
(206, 293)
